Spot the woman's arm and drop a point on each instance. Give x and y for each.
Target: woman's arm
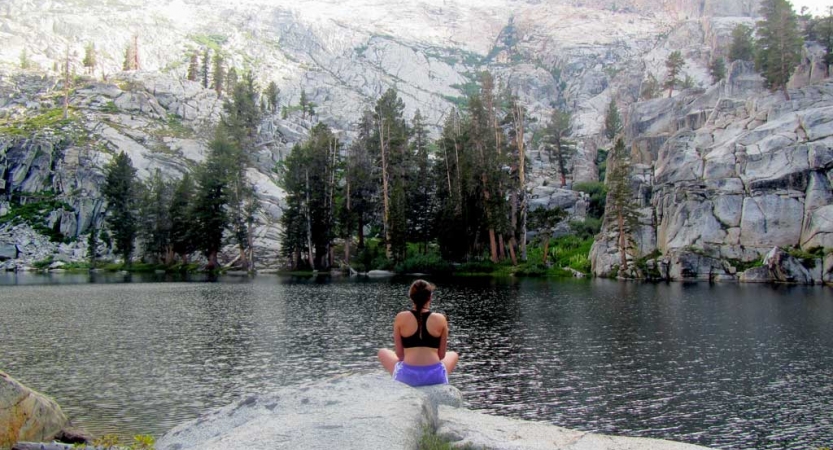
(397, 341)
(443, 339)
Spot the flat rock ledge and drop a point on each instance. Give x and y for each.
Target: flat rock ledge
(373, 412)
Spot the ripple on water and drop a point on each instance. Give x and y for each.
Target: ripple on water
(725, 366)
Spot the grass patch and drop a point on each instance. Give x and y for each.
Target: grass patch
(213, 41)
(430, 441)
(51, 119)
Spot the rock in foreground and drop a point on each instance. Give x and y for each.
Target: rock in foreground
(26, 415)
(370, 412)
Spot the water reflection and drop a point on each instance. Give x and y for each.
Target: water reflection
(721, 365)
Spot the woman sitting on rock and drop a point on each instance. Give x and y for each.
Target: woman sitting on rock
(420, 338)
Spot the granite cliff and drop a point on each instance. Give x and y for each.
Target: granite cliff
(575, 55)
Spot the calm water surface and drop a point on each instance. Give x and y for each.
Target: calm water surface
(729, 366)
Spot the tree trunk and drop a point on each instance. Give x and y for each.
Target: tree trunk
(212, 261)
(501, 247)
(512, 251)
(309, 227)
(385, 199)
(620, 218)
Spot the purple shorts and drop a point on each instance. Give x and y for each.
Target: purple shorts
(420, 375)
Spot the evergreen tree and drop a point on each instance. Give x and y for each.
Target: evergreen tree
(272, 93)
(240, 121)
(209, 216)
(742, 47)
(621, 213)
(362, 194)
(613, 121)
(231, 79)
(155, 219)
(303, 102)
(90, 58)
(206, 67)
(180, 212)
(420, 203)
(779, 44)
(391, 133)
(120, 192)
(92, 245)
(193, 67)
(557, 143)
(717, 69)
(219, 74)
(309, 177)
(25, 63)
(674, 65)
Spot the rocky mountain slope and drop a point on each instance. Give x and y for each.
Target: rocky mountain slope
(573, 54)
(725, 175)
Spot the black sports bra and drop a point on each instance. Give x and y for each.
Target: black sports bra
(426, 340)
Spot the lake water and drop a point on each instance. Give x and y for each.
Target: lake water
(722, 365)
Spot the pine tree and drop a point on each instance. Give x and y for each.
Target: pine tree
(742, 47)
(621, 213)
(613, 121)
(209, 213)
(240, 120)
(155, 220)
(674, 65)
(303, 102)
(272, 93)
(193, 67)
(231, 79)
(309, 177)
(92, 245)
(90, 58)
(120, 192)
(219, 74)
(206, 67)
(717, 69)
(779, 44)
(557, 143)
(25, 64)
(391, 133)
(181, 234)
(420, 203)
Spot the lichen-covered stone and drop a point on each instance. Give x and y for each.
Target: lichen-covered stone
(26, 415)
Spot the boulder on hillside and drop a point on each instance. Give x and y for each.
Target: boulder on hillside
(26, 415)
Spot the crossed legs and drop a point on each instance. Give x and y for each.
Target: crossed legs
(389, 359)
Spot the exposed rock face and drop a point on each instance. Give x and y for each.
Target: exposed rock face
(755, 174)
(469, 428)
(372, 411)
(26, 415)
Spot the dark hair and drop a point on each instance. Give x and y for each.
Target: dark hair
(420, 292)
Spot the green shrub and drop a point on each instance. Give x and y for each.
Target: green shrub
(587, 229)
(478, 267)
(430, 263)
(598, 195)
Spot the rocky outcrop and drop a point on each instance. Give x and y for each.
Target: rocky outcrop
(372, 411)
(755, 174)
(26, 415)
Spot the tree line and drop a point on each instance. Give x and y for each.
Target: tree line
(198, 212)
